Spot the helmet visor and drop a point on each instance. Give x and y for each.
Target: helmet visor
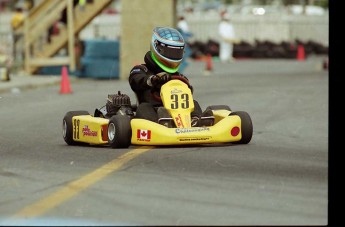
(169, 51)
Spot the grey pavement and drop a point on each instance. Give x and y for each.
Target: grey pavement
(280, 178)
(22, 81)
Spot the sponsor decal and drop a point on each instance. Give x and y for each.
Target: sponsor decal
(179, 120)
(195, 139)
(176, 91)
(176, 47)
(88, 132)
(190, 130)
(144, 135)
(135, 70)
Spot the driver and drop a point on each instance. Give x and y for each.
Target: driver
(161, 62)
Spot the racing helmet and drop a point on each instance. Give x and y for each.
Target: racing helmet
(167, 48)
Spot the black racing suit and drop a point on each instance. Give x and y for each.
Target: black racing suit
(147, 108)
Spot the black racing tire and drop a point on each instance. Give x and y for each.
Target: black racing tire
(246, 127)
(119, 131)
(67, 126)
(219, 107)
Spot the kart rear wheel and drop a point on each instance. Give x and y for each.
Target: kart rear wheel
(246, 127)
(219, 107)
(119, 131)
(67, 126)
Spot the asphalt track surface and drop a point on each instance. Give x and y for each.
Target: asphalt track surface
(279, 178)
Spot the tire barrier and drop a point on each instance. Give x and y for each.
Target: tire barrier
(102, 68)
(259, 49)
(101, 49)
(99, 59)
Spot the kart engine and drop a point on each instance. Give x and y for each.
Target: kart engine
(119, 104)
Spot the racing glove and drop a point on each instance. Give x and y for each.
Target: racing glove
(159, 79)
(190, 86)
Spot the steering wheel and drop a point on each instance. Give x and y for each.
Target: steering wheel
(173, 77)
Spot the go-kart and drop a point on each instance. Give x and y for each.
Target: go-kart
(115, 124)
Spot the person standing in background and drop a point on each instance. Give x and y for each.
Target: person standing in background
(17, 18)
(81, 4)
(182, 24)
(227, 39)
(183, 28)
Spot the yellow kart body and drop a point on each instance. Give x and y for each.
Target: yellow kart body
(148, 133)
(89, 129)
(122, 131)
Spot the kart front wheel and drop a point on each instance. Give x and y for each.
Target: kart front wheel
(246, 127)
(119, 131)
(67, 126)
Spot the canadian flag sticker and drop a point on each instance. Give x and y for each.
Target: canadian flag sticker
(144, 134)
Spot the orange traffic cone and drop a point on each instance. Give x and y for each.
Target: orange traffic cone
(300, 53)
(65, 87)
(209, 63)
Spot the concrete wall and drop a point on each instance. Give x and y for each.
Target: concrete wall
(138, 18)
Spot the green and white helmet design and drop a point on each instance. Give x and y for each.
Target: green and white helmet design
(167, 48)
